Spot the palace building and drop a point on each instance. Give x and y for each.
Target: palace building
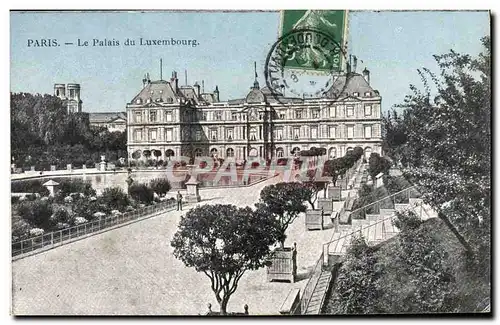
(165, 120)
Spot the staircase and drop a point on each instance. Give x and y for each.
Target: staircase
(375, 229)
(319, 293)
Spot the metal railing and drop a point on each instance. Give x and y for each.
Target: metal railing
(408, 191)
(63, 236)
(387, 202)
(311, 285)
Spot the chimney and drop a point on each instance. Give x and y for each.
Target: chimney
(174, 81)
(197, 89)
(216, 94)
(366, 75)
(144, 81)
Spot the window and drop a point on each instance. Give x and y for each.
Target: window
(253, 134)
(332, 110)
(229, 134)
(152, 116)
(168, 116)
(198, 152)
(355, 94)
(279, 134)
(333, 130)
(152, 135)
(213, 134)
(368, 110)
(282, 116)
(350, 110)
(138, 117)
(230, 152)
(298, 114)
(204, 116)
(138, 101)
(198, 135)
(280, 153)
(368, 94)
(234, 116)
(315, 113)
(350, 131)
(138, 135)
(314, 132)
(244, 131)
(170, 100)
(169, 135)
(218, 115)
(368, 131)
(261, 116)
(296, 133)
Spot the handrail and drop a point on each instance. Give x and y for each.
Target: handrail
(383, 199)
(311, 284)
(66, 235)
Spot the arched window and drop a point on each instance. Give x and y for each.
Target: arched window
(368, 152)
(253, 152)
(230, 152)
(332, 153)
(213, 152)
(169, 153)
(295, 151)
(253, 134)
(198, 152)
(280, 153)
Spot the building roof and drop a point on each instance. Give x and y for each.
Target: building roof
(105, 117)
(347, 85)
(157, 91)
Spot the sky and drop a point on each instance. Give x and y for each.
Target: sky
(391, 44)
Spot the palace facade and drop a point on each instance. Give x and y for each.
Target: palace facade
(165, 120)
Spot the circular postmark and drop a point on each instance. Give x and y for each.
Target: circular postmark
(305, 63)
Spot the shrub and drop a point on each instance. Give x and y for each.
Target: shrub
(114, 198)
(407, 221)
(77, 185)
(160, 185)
(36, 213)
(141, 193)
(20, 228)
(61, 215)
(79, 221)
(36, 232)
(29, 186)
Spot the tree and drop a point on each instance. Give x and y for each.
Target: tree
(223, 242)
(160, 185)
(377, 165)
(448, 128)
(334, 168)
(141, 193)
(284, 201)
(356, 285)
(312, 186)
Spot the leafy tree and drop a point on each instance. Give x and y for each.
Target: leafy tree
(377, 165)
(284, 201)
(223, 242)
(356, 286)
(334, 168)
(160, 186)
(448, 128)
(141, 193)
(313, 186)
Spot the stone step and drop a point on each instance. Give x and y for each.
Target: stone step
(379, 235)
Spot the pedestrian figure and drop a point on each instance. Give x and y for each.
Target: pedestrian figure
(179, 201)
(322, 215)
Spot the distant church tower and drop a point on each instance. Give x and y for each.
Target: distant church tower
(70, 95)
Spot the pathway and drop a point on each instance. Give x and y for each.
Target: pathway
(132, 271)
